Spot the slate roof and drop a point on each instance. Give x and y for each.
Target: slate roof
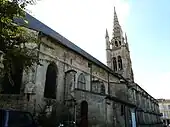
(38, 26)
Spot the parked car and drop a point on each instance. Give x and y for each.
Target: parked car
(10, 118)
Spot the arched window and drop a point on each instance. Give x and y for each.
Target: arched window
(122, 110)
(84, 114)
(114, 64)
(116, 43)
(120, 63)
(102, 89)
(50, 82)
(81, 82)
(119, 42)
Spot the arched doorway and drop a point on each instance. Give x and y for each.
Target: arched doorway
(84, 114)
(50, 83)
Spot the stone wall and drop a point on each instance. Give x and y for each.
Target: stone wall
(147, 108)
(96, 107)
(66, 60)
(17, 102)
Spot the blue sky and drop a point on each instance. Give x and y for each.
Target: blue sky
(148, 30)
(146, 22)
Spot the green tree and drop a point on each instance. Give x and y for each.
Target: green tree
(15, 39)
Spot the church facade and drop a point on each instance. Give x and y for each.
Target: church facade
(96, 95)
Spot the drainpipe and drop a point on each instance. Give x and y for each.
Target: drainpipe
(91, 77)
(106, 99)
(90, 66)
(108, 80)
(64, 98)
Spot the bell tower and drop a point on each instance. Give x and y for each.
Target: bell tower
(118, 55)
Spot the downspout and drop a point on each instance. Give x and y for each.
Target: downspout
(64, 80)
(108, 80)
(106, 99)
(64, 102)
(90, 66)
(91, 77)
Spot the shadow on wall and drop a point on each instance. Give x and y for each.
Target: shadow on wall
(53, 114)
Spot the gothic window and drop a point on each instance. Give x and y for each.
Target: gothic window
(122, 110)
(102, 90)
(116, 43)
(119, 42)
(50, 82)
(114, 64)
(12, 84)
(120, 63)
(81, 82)
(84, 114)
(168, 106)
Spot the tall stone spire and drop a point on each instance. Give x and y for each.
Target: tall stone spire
(117, 31)
(116, 21)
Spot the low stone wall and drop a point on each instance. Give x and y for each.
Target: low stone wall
(15, 102)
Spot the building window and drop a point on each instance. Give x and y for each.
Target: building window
(114, 64)
(116, 43)
(119, 42)
(168, 106)
(50, 83)
(81, 82)
(120, 63)
(102, 90)
(122, 110)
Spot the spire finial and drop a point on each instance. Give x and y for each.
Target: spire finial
(126, 42)
(125, 37)
(115, 17)
(107, 35)
(116, 25)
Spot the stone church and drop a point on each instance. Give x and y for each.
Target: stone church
(95, 94)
